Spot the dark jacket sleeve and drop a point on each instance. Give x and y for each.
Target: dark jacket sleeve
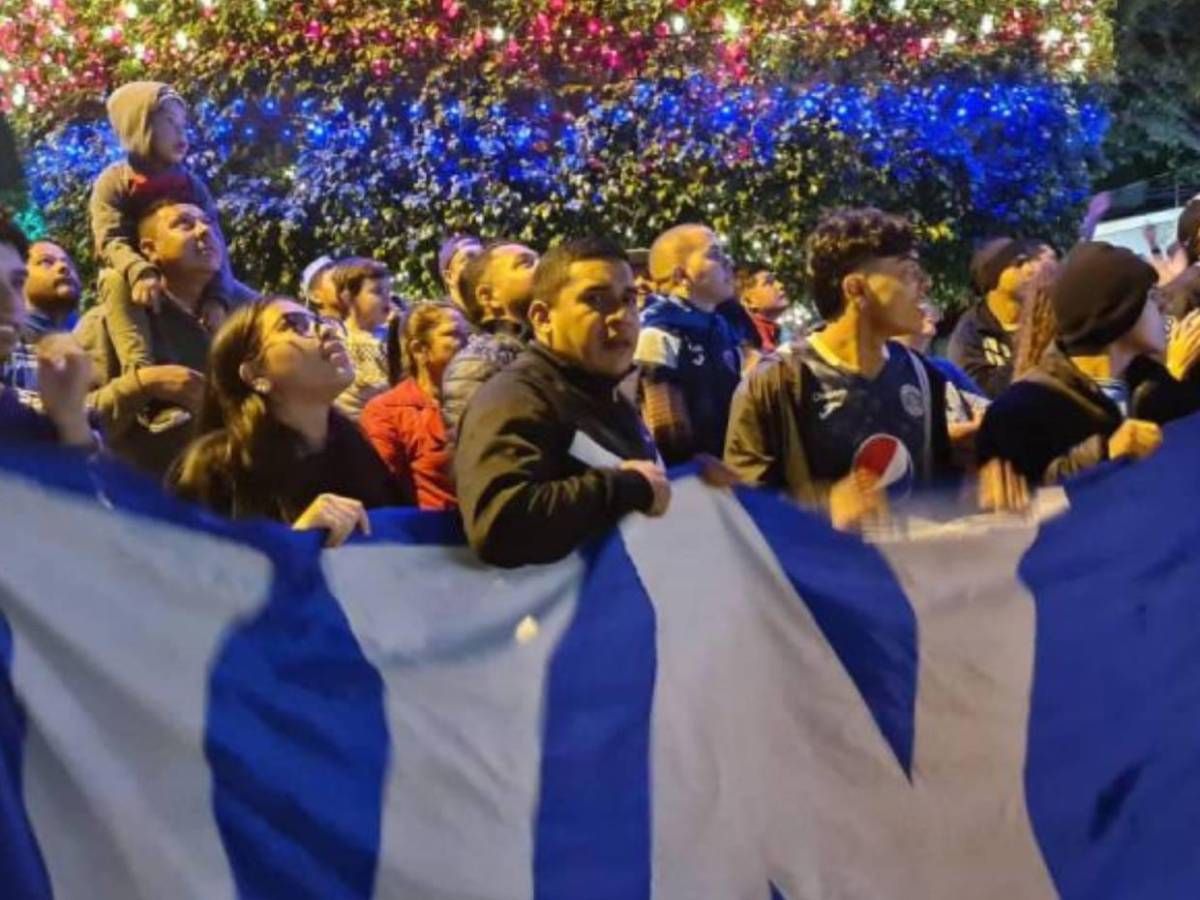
(1156, 396)
(517, 504)
(966, 352)
(1025, 427)
(754, 447)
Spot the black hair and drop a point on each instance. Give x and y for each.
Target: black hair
(468, 281)
(843, 240)
(553, 270)
(12, 235)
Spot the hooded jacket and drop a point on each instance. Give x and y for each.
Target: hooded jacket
(535, 461)
(131, 185)
(1055, 422)
(405, 427)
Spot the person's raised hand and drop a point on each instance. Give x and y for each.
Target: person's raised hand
(176, 385)
(658, 481)
(147, 291)
(64, 376)
(338, 516)
(1135, 438)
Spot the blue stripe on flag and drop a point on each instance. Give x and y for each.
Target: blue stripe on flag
(22, 872)
(855, 599)
(1113, 771)
(593, 822)
(297, 741)
(414, 526)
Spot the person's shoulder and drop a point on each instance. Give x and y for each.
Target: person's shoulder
(202, 472)
(968, 321)
(665, 313)
(775, 373)
(382, 406)
(914, 357)
(483, 356)
(515, 390)
(192, 175)
(345, 432)
(1027, 397)
(114, 181)
(118, 168)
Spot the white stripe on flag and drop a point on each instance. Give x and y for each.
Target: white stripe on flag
(976, 629)
(111, 658)
(766, 760)
(463, 651)
(762, 746)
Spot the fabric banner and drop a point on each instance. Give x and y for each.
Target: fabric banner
(733, 701)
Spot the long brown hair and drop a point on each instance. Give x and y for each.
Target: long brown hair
(1036, 331)
(242, 458)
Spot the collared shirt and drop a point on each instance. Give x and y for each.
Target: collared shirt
(39, 324)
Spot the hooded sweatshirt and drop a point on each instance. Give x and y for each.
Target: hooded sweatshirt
(128, 187)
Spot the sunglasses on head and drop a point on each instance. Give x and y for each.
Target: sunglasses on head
(307, 324)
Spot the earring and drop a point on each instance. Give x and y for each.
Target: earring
(261, 386)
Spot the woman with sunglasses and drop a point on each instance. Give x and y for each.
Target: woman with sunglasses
(269, 442)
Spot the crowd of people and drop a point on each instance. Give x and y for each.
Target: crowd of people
(545, 394)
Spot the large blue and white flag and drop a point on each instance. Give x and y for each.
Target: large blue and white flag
(731, 702)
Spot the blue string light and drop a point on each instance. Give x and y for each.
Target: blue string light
(991, 143)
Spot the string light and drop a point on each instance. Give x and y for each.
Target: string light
(698, 82)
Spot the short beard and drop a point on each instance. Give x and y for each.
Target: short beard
(55, 306)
